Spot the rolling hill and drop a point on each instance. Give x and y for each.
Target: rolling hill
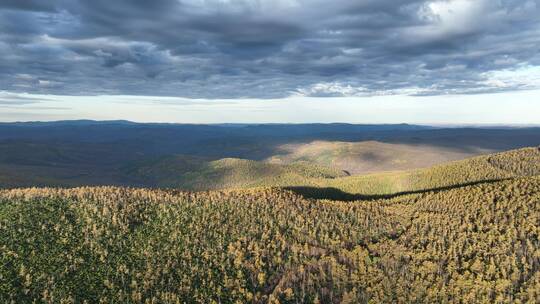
(515, 163)
(371, 156)
(190, 173)
(80, 153)
(199, 173)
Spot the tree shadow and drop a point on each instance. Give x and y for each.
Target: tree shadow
(336, 194)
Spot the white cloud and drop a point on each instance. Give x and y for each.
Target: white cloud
(338, 89)
(525, 77)
(334, 89)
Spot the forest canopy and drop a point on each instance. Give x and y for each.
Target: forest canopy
(473, 244)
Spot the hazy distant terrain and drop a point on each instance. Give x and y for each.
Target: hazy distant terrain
(75, 153)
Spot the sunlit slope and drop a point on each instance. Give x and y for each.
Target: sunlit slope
(515, 163)
(474, 244)
(371, 156)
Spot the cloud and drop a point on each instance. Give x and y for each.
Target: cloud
(267, 48)
(331, 89)
(525, 77)
(13, 99)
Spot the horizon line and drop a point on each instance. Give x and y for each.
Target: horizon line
(272, 123)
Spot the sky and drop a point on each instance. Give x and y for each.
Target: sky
(212, 61)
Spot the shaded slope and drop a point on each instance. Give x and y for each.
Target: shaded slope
(186, 172)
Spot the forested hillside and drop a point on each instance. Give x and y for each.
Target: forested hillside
(474, 244)
(198, 174)
(466, 231)
(191, 173)
(515, 163)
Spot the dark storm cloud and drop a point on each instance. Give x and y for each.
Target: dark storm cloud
(267, 48)
(29, 5)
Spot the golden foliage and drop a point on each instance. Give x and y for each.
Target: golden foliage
(476, 244)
